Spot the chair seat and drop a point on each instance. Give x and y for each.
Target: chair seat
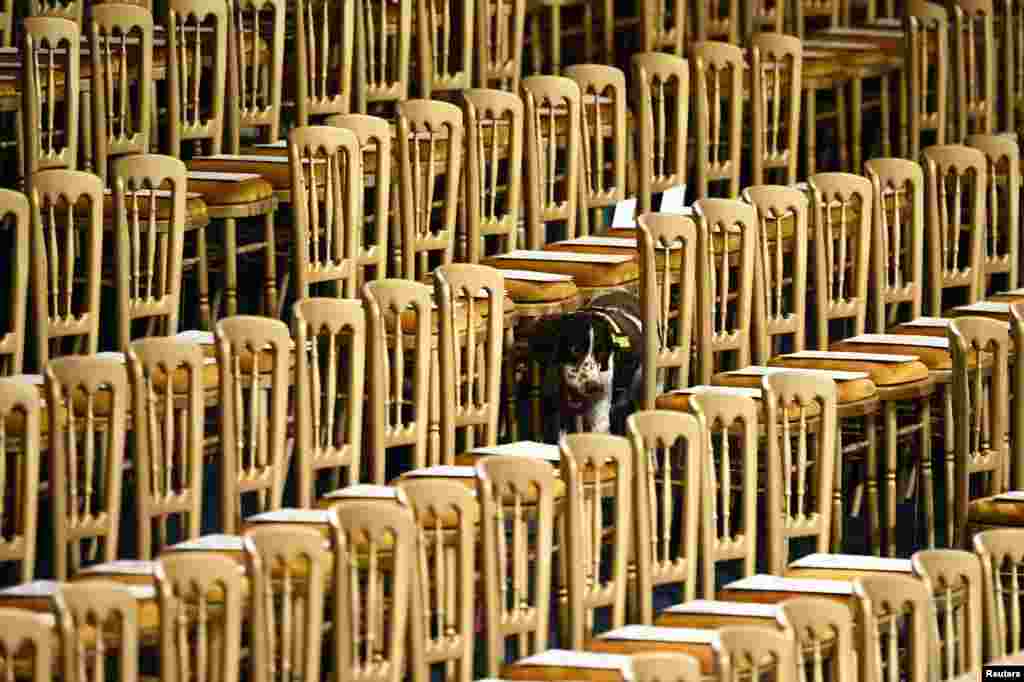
(227, 193)
(932, 358)
(277, 175)
(589, 275)
(988, 511)
(680, 402)
(883, 374)
(210, 376)
(526, 292)
(699, 650)
(196, 214)
(851, 391)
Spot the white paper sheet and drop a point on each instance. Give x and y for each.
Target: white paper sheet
(625, 213)
(1011, 496)
(211, 543)
(31, 379)
(892, 33)
(1014, 292)
(322, 516)
(835, 375)
(856, 562)
(744, 391)
(724, 608)
(673, 200)
(565, 257)
(774, 583)
(565, 658)
(280, 144)
(112, 355)
(928, 322)
(123, 567)
(216, 176)
(531, 276)
(522, 448)
(614, 242)
(853, 357)
(36, 588)
(442, 471)
(158, 193)
(198, 336)
(654, 633)
(850, 45)
(244, 158)
(901, 340)
(985, 307)
(365, 490)
(890, 22)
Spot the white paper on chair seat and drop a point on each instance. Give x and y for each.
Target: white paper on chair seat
(818, 54)
(744, 391)
(565, 658)
(835, 375)
(840, 45)
(876, 32)
(208, 543)
(365, 491)
(724, 608)
(280, 144)
(853, 357)
(112, 355)
(31, 379)
(856, 562)
(245, 158)
(985, 307)
(654, 633)
(1014, 292)
(522, 448)
(1010, 496)
(888, 21)
(928, 322)
(774, 583)
(532, 276)
(36, 588)
(197, 336)
(216, 176)
(625, 213)
(158, 193)
(614, 242)
(443, 471)
(803, 186)
(566, 257)
(293, 516)
(123, 567)
(673, 200)
(902, 340)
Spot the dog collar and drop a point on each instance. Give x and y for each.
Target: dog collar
(619, 339)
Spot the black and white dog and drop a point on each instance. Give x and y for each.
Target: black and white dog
(592, 361)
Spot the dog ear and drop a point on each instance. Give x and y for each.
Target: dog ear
(604, 344)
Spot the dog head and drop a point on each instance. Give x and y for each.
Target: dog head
(581, 345)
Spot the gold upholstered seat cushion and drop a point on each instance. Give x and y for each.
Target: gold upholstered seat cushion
(932, 358)
(850, 391)
(527, 292)
(196, 214)
(883, 374)
(585, 275)
(276, 174)
(680, 402)
(990, 511)
(229, 193)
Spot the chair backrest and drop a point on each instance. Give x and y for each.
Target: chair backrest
(28, 638)
(7, 12)
(731, 424)
(254, 357)
(430, 159)
(665, 667)
(823, 629)
(796, 444)
(718, 82)
(446, 39)
(326, 169)
(374, 136)
(399, 333)
(499, 64)
(663, 90)
(776, 68)
(65, 9)
(718, 22)
(168, 414)
(197, 65)
(1001, 552)
(894, 618)
(727, 237)
(330, 341)
(780, 279)
(121, 51)
(386, 54)
(668, 450)
(1016, 417)
(110, 613)
(828, 9)
(927, 54)
(663, 26)
(953, 577)
(256, 61)
(19, 427)
(325, 58)
(86, 456)
(974, 82)
(669, 254)
(842, 207)
(67, 253)
(15, 216)
(50, 60)
(603, 107)
(517, 514)
(1002, 238)
(755, 653)
(493, 176)
(447, 513)
(979, 347)
(553, 155)
(898, 234)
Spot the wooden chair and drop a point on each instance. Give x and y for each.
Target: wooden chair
(67, 253)
(377, 621)
(741, 652)
(954, 579)
(15, 215)
(980, 409)
(664, 117)
(780, 280)
(330, 336)
(7, 23)
(50, 60)
(603, 111)
(829, 11)
(516, 494)
(726, 236)
(104, 618)
(168, 378)
(446, 35)
(398, 418)
(149, 260)
(256, 51)
(927, 56)
(665, 539)
(327, 208)
(663, 27)
(895, 633)
(974, 86)
(804, 499)
(776, 68)
(253, 354)
(28, 640)
(190, 49)
(1002, 243)
(823, 629)
(718, 78)
(493, 176)
(374, 136)
(325, 58)
(842, 206)
(499, 63)
(384, 33)
(718, 22)
(898, 232)
(121, 59)
(426, 127)
(667, 305)
(1001, 559)
(69, 9)
(732, 423)
(19, 425)
(665, 667)
(553, 156)
(86, 456)
(447, 514)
